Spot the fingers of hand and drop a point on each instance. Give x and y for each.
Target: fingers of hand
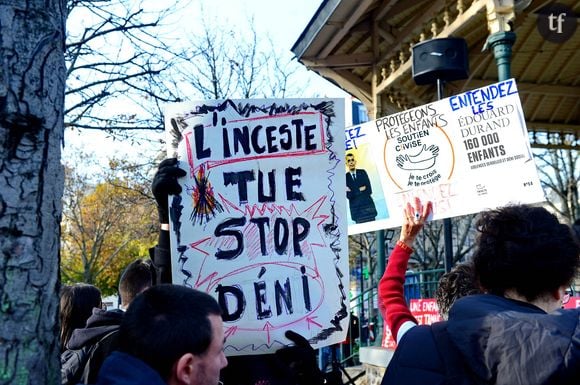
(165, 180)
(167, 162)
(417, 212)
(418, 209)
(408, 212)
(428, 209)
(296, 338)
(170, 171)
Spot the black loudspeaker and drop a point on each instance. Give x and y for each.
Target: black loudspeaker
(444, 59)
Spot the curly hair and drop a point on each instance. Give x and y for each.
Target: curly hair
(457, 283)
(524, 248)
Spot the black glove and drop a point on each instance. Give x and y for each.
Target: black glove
(165, 184)
(300, 360)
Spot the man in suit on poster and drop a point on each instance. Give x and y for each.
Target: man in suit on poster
(359, 192)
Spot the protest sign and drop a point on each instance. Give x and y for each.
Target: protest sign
(425, 311)
(261, 222)
(573, 303)
(465, 153)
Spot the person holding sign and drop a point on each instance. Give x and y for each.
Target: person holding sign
(359, 193)
(391, 295)
(517, 332)
(455, 284)
(292, 365)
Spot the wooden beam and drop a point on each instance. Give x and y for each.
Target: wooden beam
(343, 31)
(475, 7)
(340, 61)
(348, 82)
(397, 7)
(463, 19)
(414, 27)
(387, 36)
(553, 127)
(384, 7)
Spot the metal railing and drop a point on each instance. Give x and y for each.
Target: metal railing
(421, 284)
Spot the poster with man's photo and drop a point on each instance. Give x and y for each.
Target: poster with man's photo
(465, 153)
(261, 222)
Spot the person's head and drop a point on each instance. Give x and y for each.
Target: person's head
(458, 282)
(178, 332)
(76, 306)
(136, 277)
(525, 250)
(350, 161)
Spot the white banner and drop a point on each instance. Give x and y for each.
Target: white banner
(466, 153)
(261, 222)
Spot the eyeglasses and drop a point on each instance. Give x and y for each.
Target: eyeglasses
(567, 294)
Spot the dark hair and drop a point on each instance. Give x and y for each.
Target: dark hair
(136, 277)
(76, 306)
(576, 228)
(165, 322)
(524, 248)
(457, 283)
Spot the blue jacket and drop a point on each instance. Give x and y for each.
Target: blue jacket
(123, 369)
(494, 340)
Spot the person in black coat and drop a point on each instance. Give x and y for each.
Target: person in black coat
(359, 193)
(516, 333)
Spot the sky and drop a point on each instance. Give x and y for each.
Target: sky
(281, 21)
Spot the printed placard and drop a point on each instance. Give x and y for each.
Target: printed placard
(261, 222)
(425, 311)
(466, 153)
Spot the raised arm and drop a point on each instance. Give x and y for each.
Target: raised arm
(392, 303)
(164, 184)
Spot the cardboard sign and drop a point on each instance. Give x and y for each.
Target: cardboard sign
(261, 221)
(426, 311)
(573, 303)
(466, 153)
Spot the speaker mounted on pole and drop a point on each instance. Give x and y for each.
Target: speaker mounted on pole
(444, 59)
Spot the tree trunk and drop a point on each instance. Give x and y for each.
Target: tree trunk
(32, 81)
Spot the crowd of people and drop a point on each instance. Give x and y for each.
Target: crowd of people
(504, 322)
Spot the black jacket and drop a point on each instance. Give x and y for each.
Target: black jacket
(496, 341)
(161, 257)
(88, 347)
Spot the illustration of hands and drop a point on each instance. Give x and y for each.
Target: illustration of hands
(423, 160)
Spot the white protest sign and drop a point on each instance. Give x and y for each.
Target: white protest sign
(261, 222)
(466, 153)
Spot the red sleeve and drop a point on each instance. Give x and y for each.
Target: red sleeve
(392, 303)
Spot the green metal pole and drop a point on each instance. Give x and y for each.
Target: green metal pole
(501, 43)
(381, 264)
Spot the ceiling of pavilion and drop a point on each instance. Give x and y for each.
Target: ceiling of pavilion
(338, 45)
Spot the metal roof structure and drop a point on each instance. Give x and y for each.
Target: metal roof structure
(364, 46)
